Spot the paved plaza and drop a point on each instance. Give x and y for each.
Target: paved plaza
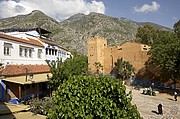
(147, 105)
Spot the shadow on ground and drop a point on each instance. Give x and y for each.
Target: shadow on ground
(154, 112)
(4, 110)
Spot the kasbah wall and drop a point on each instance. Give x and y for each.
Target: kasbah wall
(99, 51)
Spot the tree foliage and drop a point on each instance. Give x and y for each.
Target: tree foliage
(98, 66)
(76, 66)
(123, 69)
(39, 106)
(146, 34)
(92, 97)
(62, 70)
(58, 74)
(165, 53)
(177, 28)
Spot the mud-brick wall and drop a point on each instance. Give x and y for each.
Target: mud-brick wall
(96, 52)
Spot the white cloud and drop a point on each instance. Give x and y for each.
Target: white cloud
(58, 9)
(148, 8)
(174, 18)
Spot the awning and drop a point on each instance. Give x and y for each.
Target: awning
(35, 78)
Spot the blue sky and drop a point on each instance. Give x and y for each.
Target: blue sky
(167, 14)
(163, 12)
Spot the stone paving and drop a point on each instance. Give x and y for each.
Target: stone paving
(147, 105)
(7, 108)
(14, 111)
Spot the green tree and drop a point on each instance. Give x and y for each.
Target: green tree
(98, 66)
(62, 70)
(123, 69)
(58, 74)
(92, 97)
(165, 53)
(177, 28)
(146, 34)
(76, 66)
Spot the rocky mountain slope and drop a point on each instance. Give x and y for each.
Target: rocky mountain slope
(74, 32)
(34, 19)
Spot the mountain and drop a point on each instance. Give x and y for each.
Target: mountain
(35, 19)
(156, 26)
(74, 32)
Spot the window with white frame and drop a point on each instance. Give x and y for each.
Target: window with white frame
(30, 52)
(7, 48)
(20, 51)
(26, 52)
(39, 53)
(55, 52)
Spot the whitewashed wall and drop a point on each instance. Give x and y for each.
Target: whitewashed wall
(15, 58)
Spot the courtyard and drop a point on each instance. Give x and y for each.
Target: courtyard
(147, 105)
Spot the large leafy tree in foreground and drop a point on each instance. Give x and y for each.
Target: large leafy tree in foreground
(165, 53)
(92, 97)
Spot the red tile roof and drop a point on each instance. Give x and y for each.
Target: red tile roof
(15, 70)
(29, 41)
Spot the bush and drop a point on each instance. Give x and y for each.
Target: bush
(93, 97)
(41, 106)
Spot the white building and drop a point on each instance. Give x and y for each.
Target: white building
(14, 50)
(28, 48)
(23, 63)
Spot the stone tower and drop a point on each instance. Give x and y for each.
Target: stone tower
(96, 47)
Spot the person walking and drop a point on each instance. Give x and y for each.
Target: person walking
(175, 95)
(160, 109)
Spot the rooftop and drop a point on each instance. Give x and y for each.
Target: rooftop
(16, 70)
(28, 40)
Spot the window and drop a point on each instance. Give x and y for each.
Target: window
(6, 51)
(46, 51)
(55, 52)
(7, 48)
(52, 51)
(39, 53)
(25, 52)
(144, 48)
(20, 52)
(49, 51)
(30, 52)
